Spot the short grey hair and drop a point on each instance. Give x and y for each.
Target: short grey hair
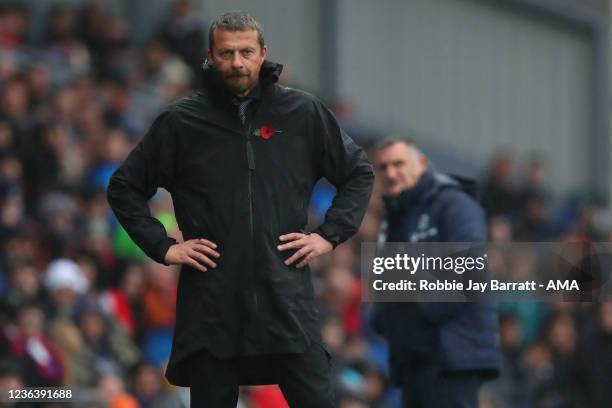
(235, 21)
(389, 141)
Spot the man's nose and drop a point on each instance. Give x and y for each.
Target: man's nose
(389, 173)
(237, 61)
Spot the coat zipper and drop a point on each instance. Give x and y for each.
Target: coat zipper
(251, 162)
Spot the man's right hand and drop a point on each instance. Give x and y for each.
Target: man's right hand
(196, 253)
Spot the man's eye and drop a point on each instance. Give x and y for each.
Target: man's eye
(247, 53)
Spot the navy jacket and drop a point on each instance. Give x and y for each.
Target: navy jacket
(454, 336)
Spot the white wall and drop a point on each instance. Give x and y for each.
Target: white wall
(471, 77)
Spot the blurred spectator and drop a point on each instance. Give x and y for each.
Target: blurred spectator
(61, 24)
(80, 362)
(25, 285)
(162, 72)
(62, 222)
(116, 147)
(592, 369)
(499, 194)
(334, 337)
(40, 359)
(159, 296)
(11, 376)
(113, 350)
(113, 388)
(14, 22)
(343, 295)
(540, 379)
(38, 78)
(91, 25)
(500, 230)
(66, 285)
(56, 161)
(6, 138)
(159, 306)
(20, 244)
(535, 179)
(116, 55)
(15, 102)
(132, 286)
(12, 209)
(184, 34)
(107, 38)
(63, 44)
(116, 304)
(536, 223)
(561, 340)
(8, 66)
(149, 389)
(66, 105)
(511, 386)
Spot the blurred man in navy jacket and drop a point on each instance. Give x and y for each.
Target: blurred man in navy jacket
(440, 352)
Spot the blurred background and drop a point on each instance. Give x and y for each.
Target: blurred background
(513, 93)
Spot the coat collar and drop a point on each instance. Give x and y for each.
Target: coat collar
(212, 81)
(411, 195)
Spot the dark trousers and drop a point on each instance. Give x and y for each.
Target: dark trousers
(428, 387)
(304, 379)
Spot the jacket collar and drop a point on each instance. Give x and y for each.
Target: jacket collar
(212, 80)
(407, 197)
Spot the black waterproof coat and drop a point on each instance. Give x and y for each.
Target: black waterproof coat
(242, 186)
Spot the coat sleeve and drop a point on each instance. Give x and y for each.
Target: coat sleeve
(345, 165)
(463, 220)
(148, 166)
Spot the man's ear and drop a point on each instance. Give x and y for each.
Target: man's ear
(424, 161)
(209, 55)
(264, 51)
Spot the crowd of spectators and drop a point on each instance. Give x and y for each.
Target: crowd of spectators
(555, 353)
(82, 307)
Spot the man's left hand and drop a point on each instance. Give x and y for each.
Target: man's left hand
(310, 246)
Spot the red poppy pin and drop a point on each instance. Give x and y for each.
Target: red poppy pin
(266, 131)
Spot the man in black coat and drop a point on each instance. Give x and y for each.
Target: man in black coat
(439, 352)
(240, 159)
